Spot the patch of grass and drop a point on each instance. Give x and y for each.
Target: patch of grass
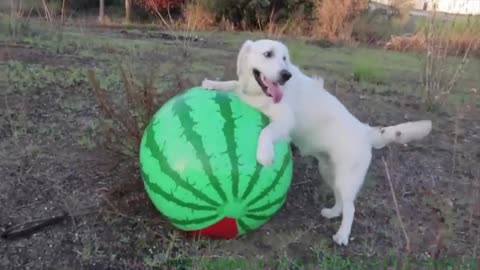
(27, 77)
(284, 263)
(365, 69)
(323, 43)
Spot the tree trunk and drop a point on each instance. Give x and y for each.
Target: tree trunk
(101, 11)
(128, 10)
(65, 9)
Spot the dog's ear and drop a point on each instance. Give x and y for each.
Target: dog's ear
(242, 55)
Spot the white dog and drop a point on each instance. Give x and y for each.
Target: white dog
(301, 109)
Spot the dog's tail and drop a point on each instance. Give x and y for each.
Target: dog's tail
(401, 133)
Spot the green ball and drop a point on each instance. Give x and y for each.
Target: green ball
(199, 166)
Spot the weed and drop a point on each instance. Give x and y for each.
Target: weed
(441, 75)
(124, 127)
(125, 120)
(19, 22)
(197, 17)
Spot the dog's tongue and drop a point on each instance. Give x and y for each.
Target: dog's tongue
(274, 90)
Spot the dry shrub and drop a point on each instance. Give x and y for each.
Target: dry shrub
(197, 17)
(296, 25)
(451, 37)
(416, 43)
(273, 29)
(123, 127)
(226, 25)
(454, 45)
(155, 6)
(375, 27)
(334, 18)
(123, 124)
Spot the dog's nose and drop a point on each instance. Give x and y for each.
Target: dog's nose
(285, 75)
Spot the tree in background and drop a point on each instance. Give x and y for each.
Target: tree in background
(101, 11)
(128, 10)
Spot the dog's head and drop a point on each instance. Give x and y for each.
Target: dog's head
(264, 66)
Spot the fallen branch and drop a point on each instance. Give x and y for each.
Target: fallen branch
(27, 229)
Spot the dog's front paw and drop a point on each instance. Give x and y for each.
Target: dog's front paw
(341, 238)
(265, 154)
(207, 84)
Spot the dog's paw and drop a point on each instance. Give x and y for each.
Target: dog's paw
(208, 84)
(265, 154)
(341, 239)
(330, 212)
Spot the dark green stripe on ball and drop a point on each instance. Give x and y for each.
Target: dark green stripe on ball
(182, 110)
(258, 217)
(268, 205)
(169, 196)
(186, 222)
(285, 163)
(225, 104)
(253, 180)
(162, 162)
(243, 225)
(258, 167)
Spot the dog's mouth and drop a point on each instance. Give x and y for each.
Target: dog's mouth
(269, 88)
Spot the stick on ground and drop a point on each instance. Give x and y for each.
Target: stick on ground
(407, 240)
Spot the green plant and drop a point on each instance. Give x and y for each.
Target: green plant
(364, 69)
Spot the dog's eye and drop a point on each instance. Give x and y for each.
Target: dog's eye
(268, 54)
(284, 58)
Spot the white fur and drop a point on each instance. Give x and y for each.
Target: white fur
(317, 123)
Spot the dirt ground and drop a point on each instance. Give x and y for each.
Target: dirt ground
(52, 166)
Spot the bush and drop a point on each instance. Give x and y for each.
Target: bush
(155, 6)
(79, 5)
(377, 26)
(243, 14)
(254, 14)
(82, 5)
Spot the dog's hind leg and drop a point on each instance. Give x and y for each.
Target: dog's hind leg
(326, 171)
(348, 181)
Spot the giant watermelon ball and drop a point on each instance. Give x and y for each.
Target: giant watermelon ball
(199, 167)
